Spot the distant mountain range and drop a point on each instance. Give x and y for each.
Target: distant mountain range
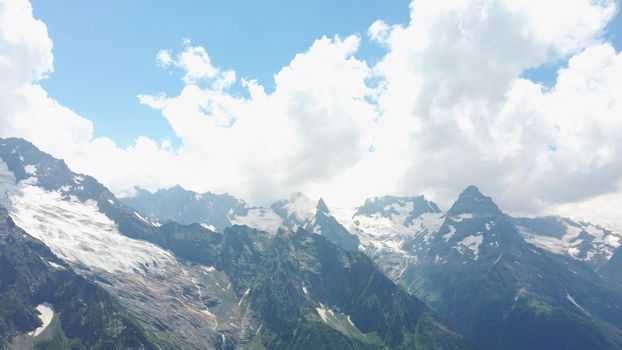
(175, 269)
(504, 282)
(81, 269)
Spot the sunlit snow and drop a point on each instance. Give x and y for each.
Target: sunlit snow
(301, 207)
(30, 169)
(470, 243)
(79, 232)
(604, 241)
(46, 313)
(261, 219)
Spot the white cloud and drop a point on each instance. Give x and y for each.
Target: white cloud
(309, 129)
(197, 64)
(164, 58)
(25, 48)
(379, 32)
(25, 108)
(448, 108)
(478, 121)
(27, 111)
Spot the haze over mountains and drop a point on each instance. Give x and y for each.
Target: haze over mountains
(175, 269)
(185, 286)
(503, 282)
(178, 269)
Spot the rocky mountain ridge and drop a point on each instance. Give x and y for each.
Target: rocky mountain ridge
(196, 288)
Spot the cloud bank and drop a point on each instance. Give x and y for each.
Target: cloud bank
(448, 105)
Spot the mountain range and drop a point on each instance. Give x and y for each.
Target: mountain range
(504, 282)
(173, 285)
(81, 268)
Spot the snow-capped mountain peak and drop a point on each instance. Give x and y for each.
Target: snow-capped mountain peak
(88, 228)
(298, 208)
(579, 240)
(400, 210)
(62, 209)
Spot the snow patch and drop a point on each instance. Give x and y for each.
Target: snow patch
(260, 219)
(462, 217)
(208, 226)
(350, 321)
(30, 169)
(470, 243)
(46, 313)
(244, 296)
(78, 232)
(574, 302)
(451, 233)
(612, 240)
(324, 312)
(140, 217)
(497, 260)
(301, 207)
(573, 251)
(55, 265)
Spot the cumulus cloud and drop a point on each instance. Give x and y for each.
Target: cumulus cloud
(27, 111)
(447, 106)
(312, 127)
(164, 58)
(25, 108)
(479, 122)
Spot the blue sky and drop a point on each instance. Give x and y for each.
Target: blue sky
(104, 51)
